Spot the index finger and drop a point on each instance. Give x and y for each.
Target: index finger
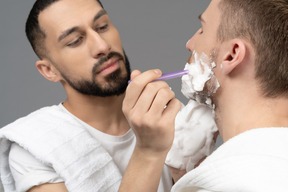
(138, 84)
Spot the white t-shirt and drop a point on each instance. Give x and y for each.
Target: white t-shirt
(29, 171)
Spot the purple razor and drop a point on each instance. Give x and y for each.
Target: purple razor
(172, 75)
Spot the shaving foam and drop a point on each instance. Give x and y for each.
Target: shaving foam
(194, 124)
(200, 72)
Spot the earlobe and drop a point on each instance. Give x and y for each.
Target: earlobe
(47, 70)
(234, 55)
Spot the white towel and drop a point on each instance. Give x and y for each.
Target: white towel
(56, 139)
(254, 161)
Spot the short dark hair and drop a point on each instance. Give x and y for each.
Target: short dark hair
(264, 23)
(34, 33)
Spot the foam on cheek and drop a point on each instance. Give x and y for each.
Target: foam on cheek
(193, 84)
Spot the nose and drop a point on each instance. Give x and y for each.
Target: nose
(191, 42)
(99, 46)
(190, 45)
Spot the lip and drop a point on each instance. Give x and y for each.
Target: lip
(110, 66)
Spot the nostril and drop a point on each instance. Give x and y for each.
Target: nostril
(101, 54)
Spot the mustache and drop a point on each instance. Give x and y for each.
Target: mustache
(104, 59)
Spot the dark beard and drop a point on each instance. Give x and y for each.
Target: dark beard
(115, 83)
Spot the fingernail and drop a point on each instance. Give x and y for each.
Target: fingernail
(157, 71)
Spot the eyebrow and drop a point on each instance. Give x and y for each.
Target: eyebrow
(67, 32)
(99, 14)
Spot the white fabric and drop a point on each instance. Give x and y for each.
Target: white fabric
(28, 171)
(55, 139)
(254, 161)
(194, 132)
(120, 148)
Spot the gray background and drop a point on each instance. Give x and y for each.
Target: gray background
(154, 34)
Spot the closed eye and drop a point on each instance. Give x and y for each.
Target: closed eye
(76, 42)
(102, 28)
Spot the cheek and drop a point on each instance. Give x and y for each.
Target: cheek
(205, 42)
(77, 57)
(74, 64)
(202, 45)
(114, 38)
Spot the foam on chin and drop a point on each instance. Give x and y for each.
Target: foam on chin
(194, 124)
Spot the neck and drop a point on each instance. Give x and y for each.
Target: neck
(248, 110)
(103, 113)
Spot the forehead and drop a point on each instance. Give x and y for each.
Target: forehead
(65, 14)
(212, 10)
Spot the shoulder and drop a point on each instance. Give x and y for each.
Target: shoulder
(47, 127)
(257, 158)
(28, 171)
(21, 161)
(46, 117)
(35, 115)
(265, 141)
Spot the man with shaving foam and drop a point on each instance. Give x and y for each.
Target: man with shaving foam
(248, 42)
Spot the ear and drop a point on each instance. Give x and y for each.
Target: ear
(48, 70)
(234, 54)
